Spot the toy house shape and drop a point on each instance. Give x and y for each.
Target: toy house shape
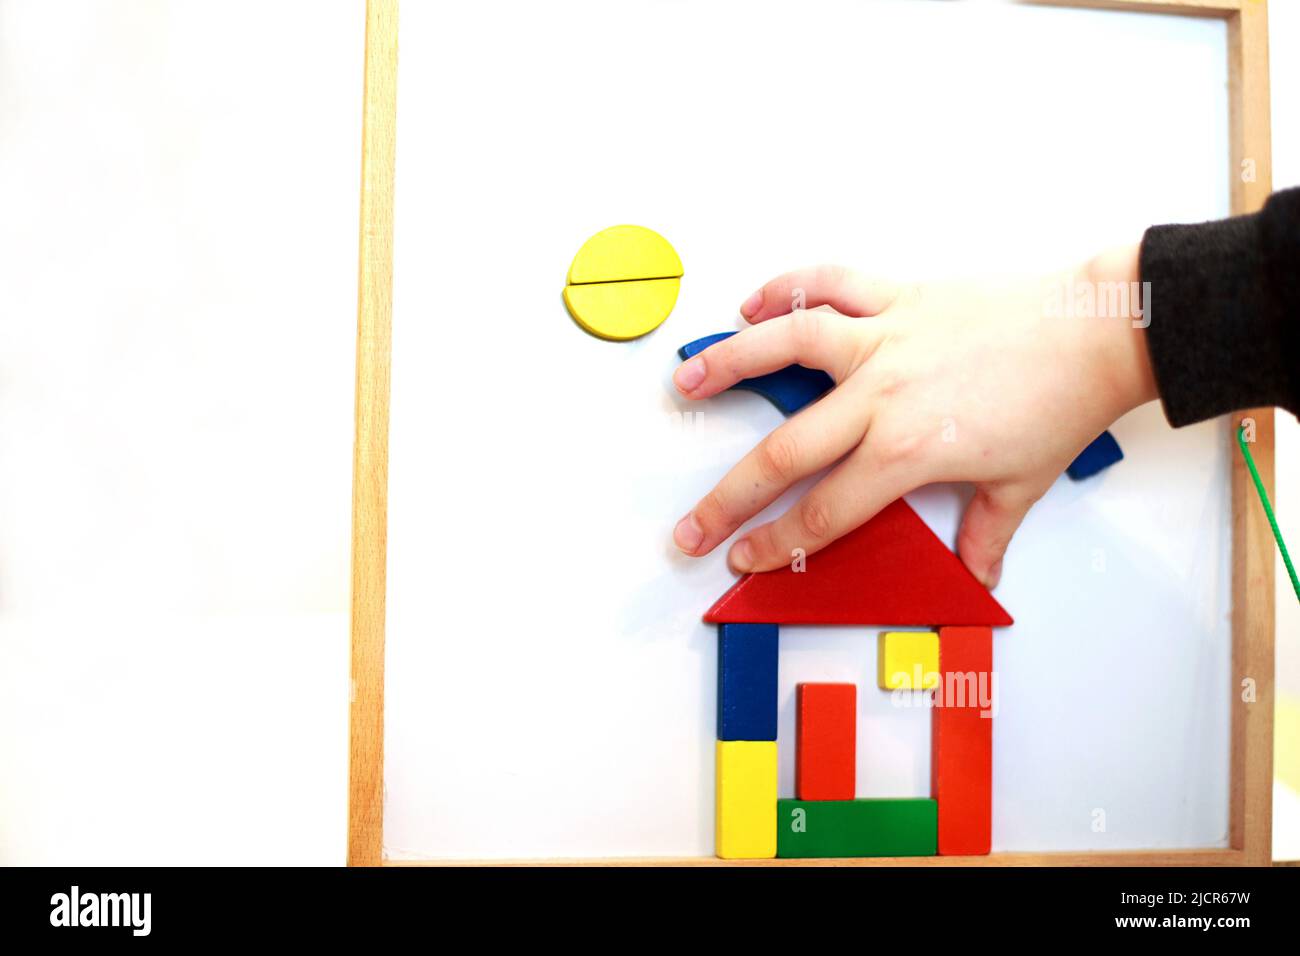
(892, 571)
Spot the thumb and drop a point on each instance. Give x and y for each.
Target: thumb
(991, 518)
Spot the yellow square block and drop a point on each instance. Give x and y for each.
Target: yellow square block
(908, 660)
(746, 798)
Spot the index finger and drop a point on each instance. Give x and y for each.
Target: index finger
(846, 291)
(821, 340)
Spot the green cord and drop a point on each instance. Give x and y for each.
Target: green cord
(1268, 510)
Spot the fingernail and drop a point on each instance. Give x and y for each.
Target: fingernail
(687, 535)
(749, 308)
(742, 557)
(689, 374)
(994, 575)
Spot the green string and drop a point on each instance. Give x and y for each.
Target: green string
(1268, 510)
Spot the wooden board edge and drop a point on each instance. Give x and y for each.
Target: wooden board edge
(1221, 9)
(370, 448)
(1253, 606)
(1198, 857)
(1251, 761)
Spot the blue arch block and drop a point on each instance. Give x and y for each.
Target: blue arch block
(794, 387)
(789, 389)
(1101, 454)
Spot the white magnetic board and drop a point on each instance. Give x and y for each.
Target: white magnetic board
(550, 685)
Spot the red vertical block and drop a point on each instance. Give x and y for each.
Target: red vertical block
(826, 741)
(961, 741)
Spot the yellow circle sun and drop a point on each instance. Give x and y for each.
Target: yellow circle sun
(623, 282)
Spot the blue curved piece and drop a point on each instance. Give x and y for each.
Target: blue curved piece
(790, 389)
(794, 386)
(1098, 456)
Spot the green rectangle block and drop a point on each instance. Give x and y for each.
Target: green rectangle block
(808, 829)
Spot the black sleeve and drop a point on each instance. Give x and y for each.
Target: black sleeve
(1224, 309)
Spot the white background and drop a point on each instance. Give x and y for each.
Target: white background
(178, 222)
(177, 300)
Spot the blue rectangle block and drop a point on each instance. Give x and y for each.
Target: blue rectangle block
(747, 659)
(1098, 456)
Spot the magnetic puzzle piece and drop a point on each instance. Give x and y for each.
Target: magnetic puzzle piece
(826, 720)
(1100, 454)
(745, 825)
(789, 389)
(811, 829)
(961, 741)
(747, 667)
(892, 570)
(619, 311)
(624, 254)
(623, 282)
(907, 660)
(795, 386)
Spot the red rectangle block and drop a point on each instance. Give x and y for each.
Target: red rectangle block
(826, 744)
(961, 741)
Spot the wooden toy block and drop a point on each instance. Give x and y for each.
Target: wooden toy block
(810, 829)
(907, 660)
(795, 387)
(789, 389)
(622, 310)
(961, 741)
(622, 254)
(891, 570)
(826, 722)
(623, 282)
(1100, 454)
(747, 667)
(746, 800)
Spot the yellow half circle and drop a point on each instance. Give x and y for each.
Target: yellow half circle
(623, 253)
(622, 310)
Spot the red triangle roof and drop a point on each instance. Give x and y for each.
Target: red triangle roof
(891, 571)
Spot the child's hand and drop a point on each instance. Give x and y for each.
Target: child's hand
(972, 382)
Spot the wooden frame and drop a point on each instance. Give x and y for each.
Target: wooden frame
(1251, 762)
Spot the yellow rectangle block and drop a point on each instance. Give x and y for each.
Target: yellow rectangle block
(746, 800)
(908, 660)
